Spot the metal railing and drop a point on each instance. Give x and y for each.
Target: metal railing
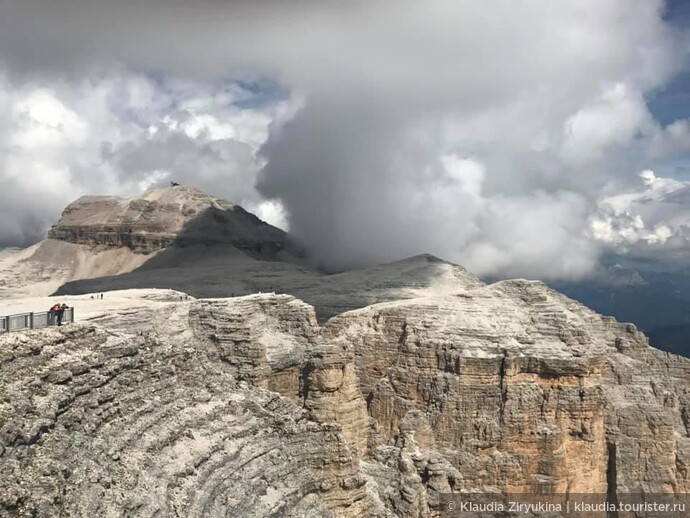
(40, 320)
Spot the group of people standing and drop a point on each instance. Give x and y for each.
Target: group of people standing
(57, 313)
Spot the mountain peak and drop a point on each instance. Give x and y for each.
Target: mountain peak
(159, 218)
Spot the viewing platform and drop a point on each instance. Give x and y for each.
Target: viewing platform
(23, 321)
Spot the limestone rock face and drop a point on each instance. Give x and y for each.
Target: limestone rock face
(274, 342)
(161, 218)
(100, 424)
(247, 407)
(264, 340)
(177, 236)
(519, 390)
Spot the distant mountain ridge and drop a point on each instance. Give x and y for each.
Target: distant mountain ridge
(674, 339)
(161, 218)
(182, 238)
(100, 236)
(657, 302)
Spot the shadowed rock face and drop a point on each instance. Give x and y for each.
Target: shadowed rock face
(161, 218)
(221, 271)
(246, 407)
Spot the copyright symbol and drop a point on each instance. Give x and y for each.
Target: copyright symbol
(451, 506)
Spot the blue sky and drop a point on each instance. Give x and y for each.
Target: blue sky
(672, 102)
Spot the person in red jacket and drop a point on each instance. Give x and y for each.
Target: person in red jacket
(53, 313)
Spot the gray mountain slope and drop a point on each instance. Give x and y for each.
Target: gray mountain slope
(224, 271)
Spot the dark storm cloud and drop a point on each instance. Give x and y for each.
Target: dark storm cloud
(484, 135)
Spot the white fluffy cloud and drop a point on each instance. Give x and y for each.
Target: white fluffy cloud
(650, 220)
(611, 121)
(120, 135)
(488, 136)
(671, 140)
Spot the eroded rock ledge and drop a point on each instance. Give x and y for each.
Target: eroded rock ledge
(161, 218)
(246, 407)
(97, 424)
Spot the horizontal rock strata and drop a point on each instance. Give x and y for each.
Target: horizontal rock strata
(96, 424)
(162, 218)
(247, 407)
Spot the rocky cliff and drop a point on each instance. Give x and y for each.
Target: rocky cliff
(161, 218)
(97, 423)
(104, 236)
(247, 407)
(522, 390)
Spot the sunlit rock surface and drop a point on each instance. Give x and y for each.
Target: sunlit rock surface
(247, 407)
(165, 217)
(102, 236)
